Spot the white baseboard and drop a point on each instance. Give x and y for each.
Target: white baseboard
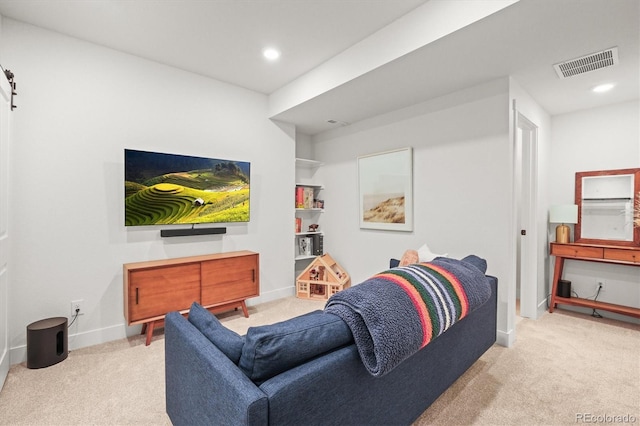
(542, 308)
(18, 354)
(4, 367)
(272, 295)
(505, 338)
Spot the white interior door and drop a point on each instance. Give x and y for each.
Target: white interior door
(526, 165)
(5, 107)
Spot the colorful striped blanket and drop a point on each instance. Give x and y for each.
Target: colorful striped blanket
(396, 313)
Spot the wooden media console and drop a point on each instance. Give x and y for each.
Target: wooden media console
(219, 282)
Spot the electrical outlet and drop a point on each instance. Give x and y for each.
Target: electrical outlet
(600, 285)
(76, 305)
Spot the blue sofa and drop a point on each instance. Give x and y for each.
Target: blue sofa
(307, 371)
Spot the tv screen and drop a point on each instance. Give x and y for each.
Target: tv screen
(164, 189)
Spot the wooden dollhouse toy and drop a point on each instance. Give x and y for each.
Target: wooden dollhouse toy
(321, 279)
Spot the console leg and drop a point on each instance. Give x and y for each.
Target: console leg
(557, 274)
(149, 332)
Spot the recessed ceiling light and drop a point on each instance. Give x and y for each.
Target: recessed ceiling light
(603, 88)
(271, 54)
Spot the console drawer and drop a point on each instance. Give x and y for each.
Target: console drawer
(623, 255)
(571, 250)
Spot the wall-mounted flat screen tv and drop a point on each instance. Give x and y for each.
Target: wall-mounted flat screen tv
(164, 189)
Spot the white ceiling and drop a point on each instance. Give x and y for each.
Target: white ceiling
(223, 39)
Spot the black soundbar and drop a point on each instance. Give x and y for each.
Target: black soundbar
(191, 231)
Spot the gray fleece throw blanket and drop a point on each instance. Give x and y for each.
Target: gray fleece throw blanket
(395, 313)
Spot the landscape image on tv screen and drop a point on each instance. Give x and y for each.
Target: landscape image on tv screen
(179, 189)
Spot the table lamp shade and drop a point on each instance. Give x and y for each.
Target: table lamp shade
(563, 214)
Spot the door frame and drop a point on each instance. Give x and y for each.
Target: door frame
(526, 143)
(5, 109)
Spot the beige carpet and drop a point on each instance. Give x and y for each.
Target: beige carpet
(563, 369)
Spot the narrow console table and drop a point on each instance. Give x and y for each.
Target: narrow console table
(620, 255)
(218, 282)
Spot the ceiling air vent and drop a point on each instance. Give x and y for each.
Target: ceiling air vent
(591, 62)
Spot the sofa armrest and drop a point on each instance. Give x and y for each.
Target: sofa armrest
(202, 385)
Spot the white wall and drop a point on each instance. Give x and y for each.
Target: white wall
(462, 196)
(304, 147)
(596, 139)
(79, 106)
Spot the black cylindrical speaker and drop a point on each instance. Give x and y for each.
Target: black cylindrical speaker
(47, 342)
(564, 288)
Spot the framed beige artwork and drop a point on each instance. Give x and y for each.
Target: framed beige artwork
(385, 186)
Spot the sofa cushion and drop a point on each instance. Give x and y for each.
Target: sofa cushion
(271, 349)
(476, 261)
(228, 341)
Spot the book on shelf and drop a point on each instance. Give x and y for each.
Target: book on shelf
(298, 225)
(304, 246)
(308, 197)
(299, 197)
(317, 244)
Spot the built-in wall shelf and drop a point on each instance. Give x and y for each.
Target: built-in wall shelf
(309, 204)
(309, 164)
(313, 209)
(305, 257)
(310, 185)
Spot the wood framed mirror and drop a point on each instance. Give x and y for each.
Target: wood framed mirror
(608, 207)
